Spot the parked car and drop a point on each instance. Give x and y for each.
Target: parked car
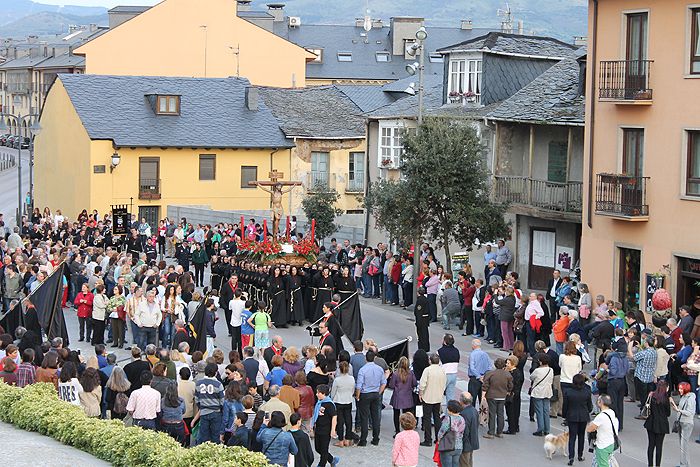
(3, 138)
(10, 142)
(25, 142)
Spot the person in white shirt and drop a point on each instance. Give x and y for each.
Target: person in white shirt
(606, 426)
(144, 403)
(148, 317)
(237, 305)
(69, 388)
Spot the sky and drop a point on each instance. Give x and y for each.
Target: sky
(105, 3)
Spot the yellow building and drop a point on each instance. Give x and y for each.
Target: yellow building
(153, 142)
(203, 38)
(328, 131)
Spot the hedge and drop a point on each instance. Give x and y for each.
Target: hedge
(37, 408)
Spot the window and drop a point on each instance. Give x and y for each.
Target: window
(168, 105)
(382, 56)
(556, 163)
(319, 55)
(390, 146)
(637, 24)
(465, 77)
(207, 167)
(345, 56)
(436, 58)
(319, 169)
(248, 174)
(695, 41)
(629, 278)
(149, 173)
(633, 151)
(356, 172)
(693, 175)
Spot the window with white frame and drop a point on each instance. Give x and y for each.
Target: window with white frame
(465, 78)
(390, 145)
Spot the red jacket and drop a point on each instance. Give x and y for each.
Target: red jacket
(396, 272)
(468, 294)
(84, 309)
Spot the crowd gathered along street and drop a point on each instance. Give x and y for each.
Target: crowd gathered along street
(493, 372)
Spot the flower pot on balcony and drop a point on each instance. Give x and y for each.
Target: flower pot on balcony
(455, 99)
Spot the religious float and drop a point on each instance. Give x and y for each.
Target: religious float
(274, 251)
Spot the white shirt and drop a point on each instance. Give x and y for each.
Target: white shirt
(236, 306)
(605, 433)
(553, 291)
(70, 391)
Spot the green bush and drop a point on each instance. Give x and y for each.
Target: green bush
(37, 408)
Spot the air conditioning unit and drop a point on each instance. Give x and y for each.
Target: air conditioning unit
(294, 21)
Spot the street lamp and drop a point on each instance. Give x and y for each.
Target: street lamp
(116, 159)
(34, 128)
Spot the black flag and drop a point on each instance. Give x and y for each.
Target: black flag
(46, 303)
(350, 317)
(198, 328)
(393, 352)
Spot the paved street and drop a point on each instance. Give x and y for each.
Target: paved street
(388, 324)
(8, 186)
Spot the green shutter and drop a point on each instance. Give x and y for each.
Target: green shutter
(556, 165)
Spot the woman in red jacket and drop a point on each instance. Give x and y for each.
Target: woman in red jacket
(395, 279)
(84, 303)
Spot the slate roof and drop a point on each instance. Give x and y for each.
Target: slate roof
(315, 112)
(254, 14)
(510, 44)
(128, 9)
(347, 38)
(62, 61)
(213, 112)
(367, 98)
(551, 98)
(22, 62)
(407, 107)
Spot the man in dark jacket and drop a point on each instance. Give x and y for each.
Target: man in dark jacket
(470, 438)
(241, 433)
(422, 314)
(305, 456)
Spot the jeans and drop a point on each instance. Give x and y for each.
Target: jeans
(451, 386)
(209, 428)
(148, 336)
(176, 431)
(542, 414)
(149, 424)
(576, 430)
(136, 333)
(388, 296)
(496, 412)
(449, 314)
(478, 327)
(432, 306)
(693, 380)
(560, 348)
(375, 284)
(166, 330)
(450, 458)
(370, 406)
(366, 285)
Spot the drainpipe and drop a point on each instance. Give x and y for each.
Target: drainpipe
(367, 182)
(591, 129)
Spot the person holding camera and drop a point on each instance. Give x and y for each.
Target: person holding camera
(603, 429)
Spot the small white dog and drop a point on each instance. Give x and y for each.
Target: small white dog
(554, 443)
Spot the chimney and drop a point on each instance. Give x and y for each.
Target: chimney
(402, 30)
(251, 98)
(580, 40)
(276, 10)
(32, 39)
(521, 27)
(466, 25)
(244, 5)
(92, 27)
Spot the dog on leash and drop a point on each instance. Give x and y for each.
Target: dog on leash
(554, 443)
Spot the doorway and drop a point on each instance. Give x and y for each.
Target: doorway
(629, 281)
(688, 292)
(150, 213)
(542, 257)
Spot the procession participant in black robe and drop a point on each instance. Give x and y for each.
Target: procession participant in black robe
(225, 269)
(278, 295)
(422, 314)
(216, 273)
(310, 292)
(333, 325)
(349, 306)
(296, 297)
(227, 293)
(324, 285)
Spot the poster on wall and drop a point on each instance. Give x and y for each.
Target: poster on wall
(120, 219)
(564, 258)
(652, 284)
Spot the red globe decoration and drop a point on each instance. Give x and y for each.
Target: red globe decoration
(661, 300)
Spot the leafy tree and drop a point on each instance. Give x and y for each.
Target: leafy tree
(320, 205)
(444, 191)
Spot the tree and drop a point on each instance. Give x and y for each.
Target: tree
(320, 205)
(444, 191)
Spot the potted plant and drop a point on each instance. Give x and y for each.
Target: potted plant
(455, 97)
(387, 162)
(469, 96)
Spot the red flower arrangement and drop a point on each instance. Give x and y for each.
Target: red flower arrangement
(306, 247)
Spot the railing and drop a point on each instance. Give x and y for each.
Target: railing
(357, 184)
(625, 80)
(551, 196)
(621, 195)
(7, 161)
(314, 179)
(149, 189)
(19, 87)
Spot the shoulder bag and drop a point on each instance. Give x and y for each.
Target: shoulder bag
(449, 440)
(617, 444)
(646, 410)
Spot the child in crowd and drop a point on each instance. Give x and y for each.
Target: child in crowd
(247, 330)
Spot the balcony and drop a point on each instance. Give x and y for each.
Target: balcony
(149, 189)
(622, 196)
(314, 179)
(625, 81)
(541, 195)
(355, 182)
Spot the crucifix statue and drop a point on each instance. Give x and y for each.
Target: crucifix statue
(276, 191)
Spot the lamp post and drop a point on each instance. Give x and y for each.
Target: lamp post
(412, 69)
(34, 128)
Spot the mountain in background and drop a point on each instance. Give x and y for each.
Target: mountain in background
(560, 18)
(20, 18)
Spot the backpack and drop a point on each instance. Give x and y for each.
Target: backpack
(120, 402)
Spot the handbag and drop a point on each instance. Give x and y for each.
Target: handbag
(676, 427)
(449, 441)
(584, 312)
(372, 270)
(646, 410)
(555, 395)
(617, 444)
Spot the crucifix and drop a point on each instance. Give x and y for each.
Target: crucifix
(276, 191)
